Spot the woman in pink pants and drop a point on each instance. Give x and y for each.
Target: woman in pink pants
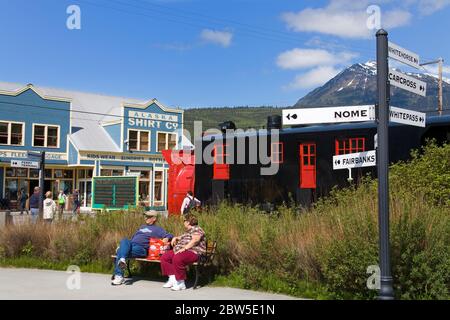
(187, 249)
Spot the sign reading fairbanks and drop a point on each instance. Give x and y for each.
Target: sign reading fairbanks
(355, 160)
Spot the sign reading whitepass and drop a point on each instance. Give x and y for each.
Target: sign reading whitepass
(409, 117)
(25, 164)
(328, 115)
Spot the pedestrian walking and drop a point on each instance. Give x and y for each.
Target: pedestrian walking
(76, 203)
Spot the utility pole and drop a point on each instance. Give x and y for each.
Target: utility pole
(41, 183)
(386, 287)
(440, 62)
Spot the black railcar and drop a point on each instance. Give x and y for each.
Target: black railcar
(305, 160)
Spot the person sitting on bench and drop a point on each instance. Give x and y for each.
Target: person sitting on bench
(187, 249)
(138, 245)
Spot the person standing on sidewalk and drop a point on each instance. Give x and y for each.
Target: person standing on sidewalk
(23, 196)
(34, 204)
(49, 208)
(62, 198)
(76, 203)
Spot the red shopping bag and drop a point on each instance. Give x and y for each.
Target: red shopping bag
(154, 249)
(157, 248)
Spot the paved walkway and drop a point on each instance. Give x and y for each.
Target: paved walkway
(46, 284)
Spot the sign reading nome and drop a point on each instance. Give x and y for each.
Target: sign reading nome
(328, 115)
(152, 120)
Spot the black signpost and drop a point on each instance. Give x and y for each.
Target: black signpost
(386, 287)
(41, 157)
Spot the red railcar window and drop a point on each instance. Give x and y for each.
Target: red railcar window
(350, 145)
(277, 152)
(221, 170)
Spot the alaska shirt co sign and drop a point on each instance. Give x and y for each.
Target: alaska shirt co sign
(409, 117)
(403, 81)
(402, 55)
(25, 164)
(355, 160)
(328, 115)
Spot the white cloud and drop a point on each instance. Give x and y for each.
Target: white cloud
(434, 69)
(346, 19)
(313, 78)
(222, 38)
(428, 7)
(307, 58)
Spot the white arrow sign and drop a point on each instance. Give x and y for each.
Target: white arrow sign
(405, 56)
(328, 115)
(355, 160)
(407, 83)
(409, 117)
(25, 164)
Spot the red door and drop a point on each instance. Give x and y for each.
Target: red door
(307, 165)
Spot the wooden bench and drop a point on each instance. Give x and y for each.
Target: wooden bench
(204, 261)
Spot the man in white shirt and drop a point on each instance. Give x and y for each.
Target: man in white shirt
(189, 203)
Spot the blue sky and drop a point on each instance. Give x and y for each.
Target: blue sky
(195, 53)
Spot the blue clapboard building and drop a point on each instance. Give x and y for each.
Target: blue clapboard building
(85, 135)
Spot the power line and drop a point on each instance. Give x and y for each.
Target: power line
(285, 38)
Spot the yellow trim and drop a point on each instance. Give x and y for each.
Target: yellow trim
(31, 87)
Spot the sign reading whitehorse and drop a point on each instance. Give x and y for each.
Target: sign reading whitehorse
(405, 56)
(355, 160)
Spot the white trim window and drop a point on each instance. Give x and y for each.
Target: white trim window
(12, 133)
(138, 140)
(166, 140)
(45, 135)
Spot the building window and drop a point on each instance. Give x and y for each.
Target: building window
(106, 172)
(45, 136)
(166, 141)
(277, 150)
(11, 133)
(138, 140)
(350, 145)
(158, 194)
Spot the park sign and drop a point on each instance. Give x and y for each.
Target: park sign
(404, 56)
(328, 115)
(408, 83)
(355, 160)
(409, 117)
(25, 164)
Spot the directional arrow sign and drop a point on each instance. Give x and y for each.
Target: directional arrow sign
(328, 115)
(409, 117)
(408, 83)
(25, 164)
(405, 56)
(355, 160)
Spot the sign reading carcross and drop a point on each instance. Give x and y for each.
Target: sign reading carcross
(355, 160)
(408, 83)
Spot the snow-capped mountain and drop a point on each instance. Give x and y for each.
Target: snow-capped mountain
(357, 85)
